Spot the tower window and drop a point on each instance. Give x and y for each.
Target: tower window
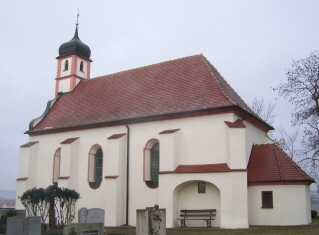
(66, 65)
(81, 66)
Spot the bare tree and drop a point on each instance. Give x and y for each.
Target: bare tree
(301, 88)
(263, 110)
(288, 142)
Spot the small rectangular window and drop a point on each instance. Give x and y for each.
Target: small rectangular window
(267, 199)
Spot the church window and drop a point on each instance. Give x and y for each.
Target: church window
(95, 167)
(81, 66)
(56, 165)
(66, 65)
(151, 163)
(267, 199)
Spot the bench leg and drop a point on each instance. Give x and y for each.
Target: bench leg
(209, 223)
(183, 224)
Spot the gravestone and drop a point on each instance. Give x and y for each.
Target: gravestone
(14, 225)
(151, 221)
(24, 226)
(84, 229)
(92, 215)
(32, 226)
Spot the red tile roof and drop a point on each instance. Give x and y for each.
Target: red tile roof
(169, 131)
(269, 163)
(237, 124)
(206, 168)
(116, 136)
(29, 144)
(184, 85)
(69, 141)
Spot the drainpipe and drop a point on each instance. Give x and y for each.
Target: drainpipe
(127, 170)
(245, 116)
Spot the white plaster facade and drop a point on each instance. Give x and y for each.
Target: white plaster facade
(199, 140)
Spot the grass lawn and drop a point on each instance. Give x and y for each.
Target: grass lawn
(304, 230)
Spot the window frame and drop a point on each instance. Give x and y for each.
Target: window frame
(92, 169)
(267, 199)
(56, 165)
(148, 163)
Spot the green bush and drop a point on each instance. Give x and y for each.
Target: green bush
(313, 214)
(10, 213)
(3, 228)
(3, 220)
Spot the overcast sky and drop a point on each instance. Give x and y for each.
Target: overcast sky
(251, 43)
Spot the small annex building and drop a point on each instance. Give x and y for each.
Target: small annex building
(173, 134)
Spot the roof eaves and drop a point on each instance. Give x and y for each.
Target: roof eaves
(132, 120)
(37, 120)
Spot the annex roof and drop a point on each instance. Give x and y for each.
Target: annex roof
(269, 163)
(202, 168)
(183, 85)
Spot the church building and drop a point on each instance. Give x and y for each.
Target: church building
(174, 134)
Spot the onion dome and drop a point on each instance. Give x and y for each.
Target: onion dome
(75, 46)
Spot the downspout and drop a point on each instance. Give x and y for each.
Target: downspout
(127, 170)
(244, 116)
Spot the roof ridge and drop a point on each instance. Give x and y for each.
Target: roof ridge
(244, 106)
(296, 166)
(278, 161)
(206, 62)
(146, 66)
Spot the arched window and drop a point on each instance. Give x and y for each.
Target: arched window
(66, 65)
(81, 66)
(95, 167)
(56, 165)
(151, 163)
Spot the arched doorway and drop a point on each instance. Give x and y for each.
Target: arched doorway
(197, 195)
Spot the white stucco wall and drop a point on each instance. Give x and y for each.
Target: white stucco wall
(200, 140)
(64, 85)
(291, 205)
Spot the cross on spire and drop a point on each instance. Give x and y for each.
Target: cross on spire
(77, 17)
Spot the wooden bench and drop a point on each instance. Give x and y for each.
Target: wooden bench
(198, 214)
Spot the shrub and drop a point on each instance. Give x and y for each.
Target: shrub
(37, 203)
(313, 214)
(3, 220)
(10, 213)
(3, 229)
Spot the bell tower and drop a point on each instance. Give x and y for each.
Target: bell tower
(74, 64)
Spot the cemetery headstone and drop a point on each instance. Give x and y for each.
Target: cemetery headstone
(92, 215)
(14, 225)
(84, 229)
(32, 226)
(24, 226)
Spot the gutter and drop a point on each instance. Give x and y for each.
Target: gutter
(127, 171)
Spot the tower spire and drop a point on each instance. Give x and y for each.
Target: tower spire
(77, 17)
(73, 62)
